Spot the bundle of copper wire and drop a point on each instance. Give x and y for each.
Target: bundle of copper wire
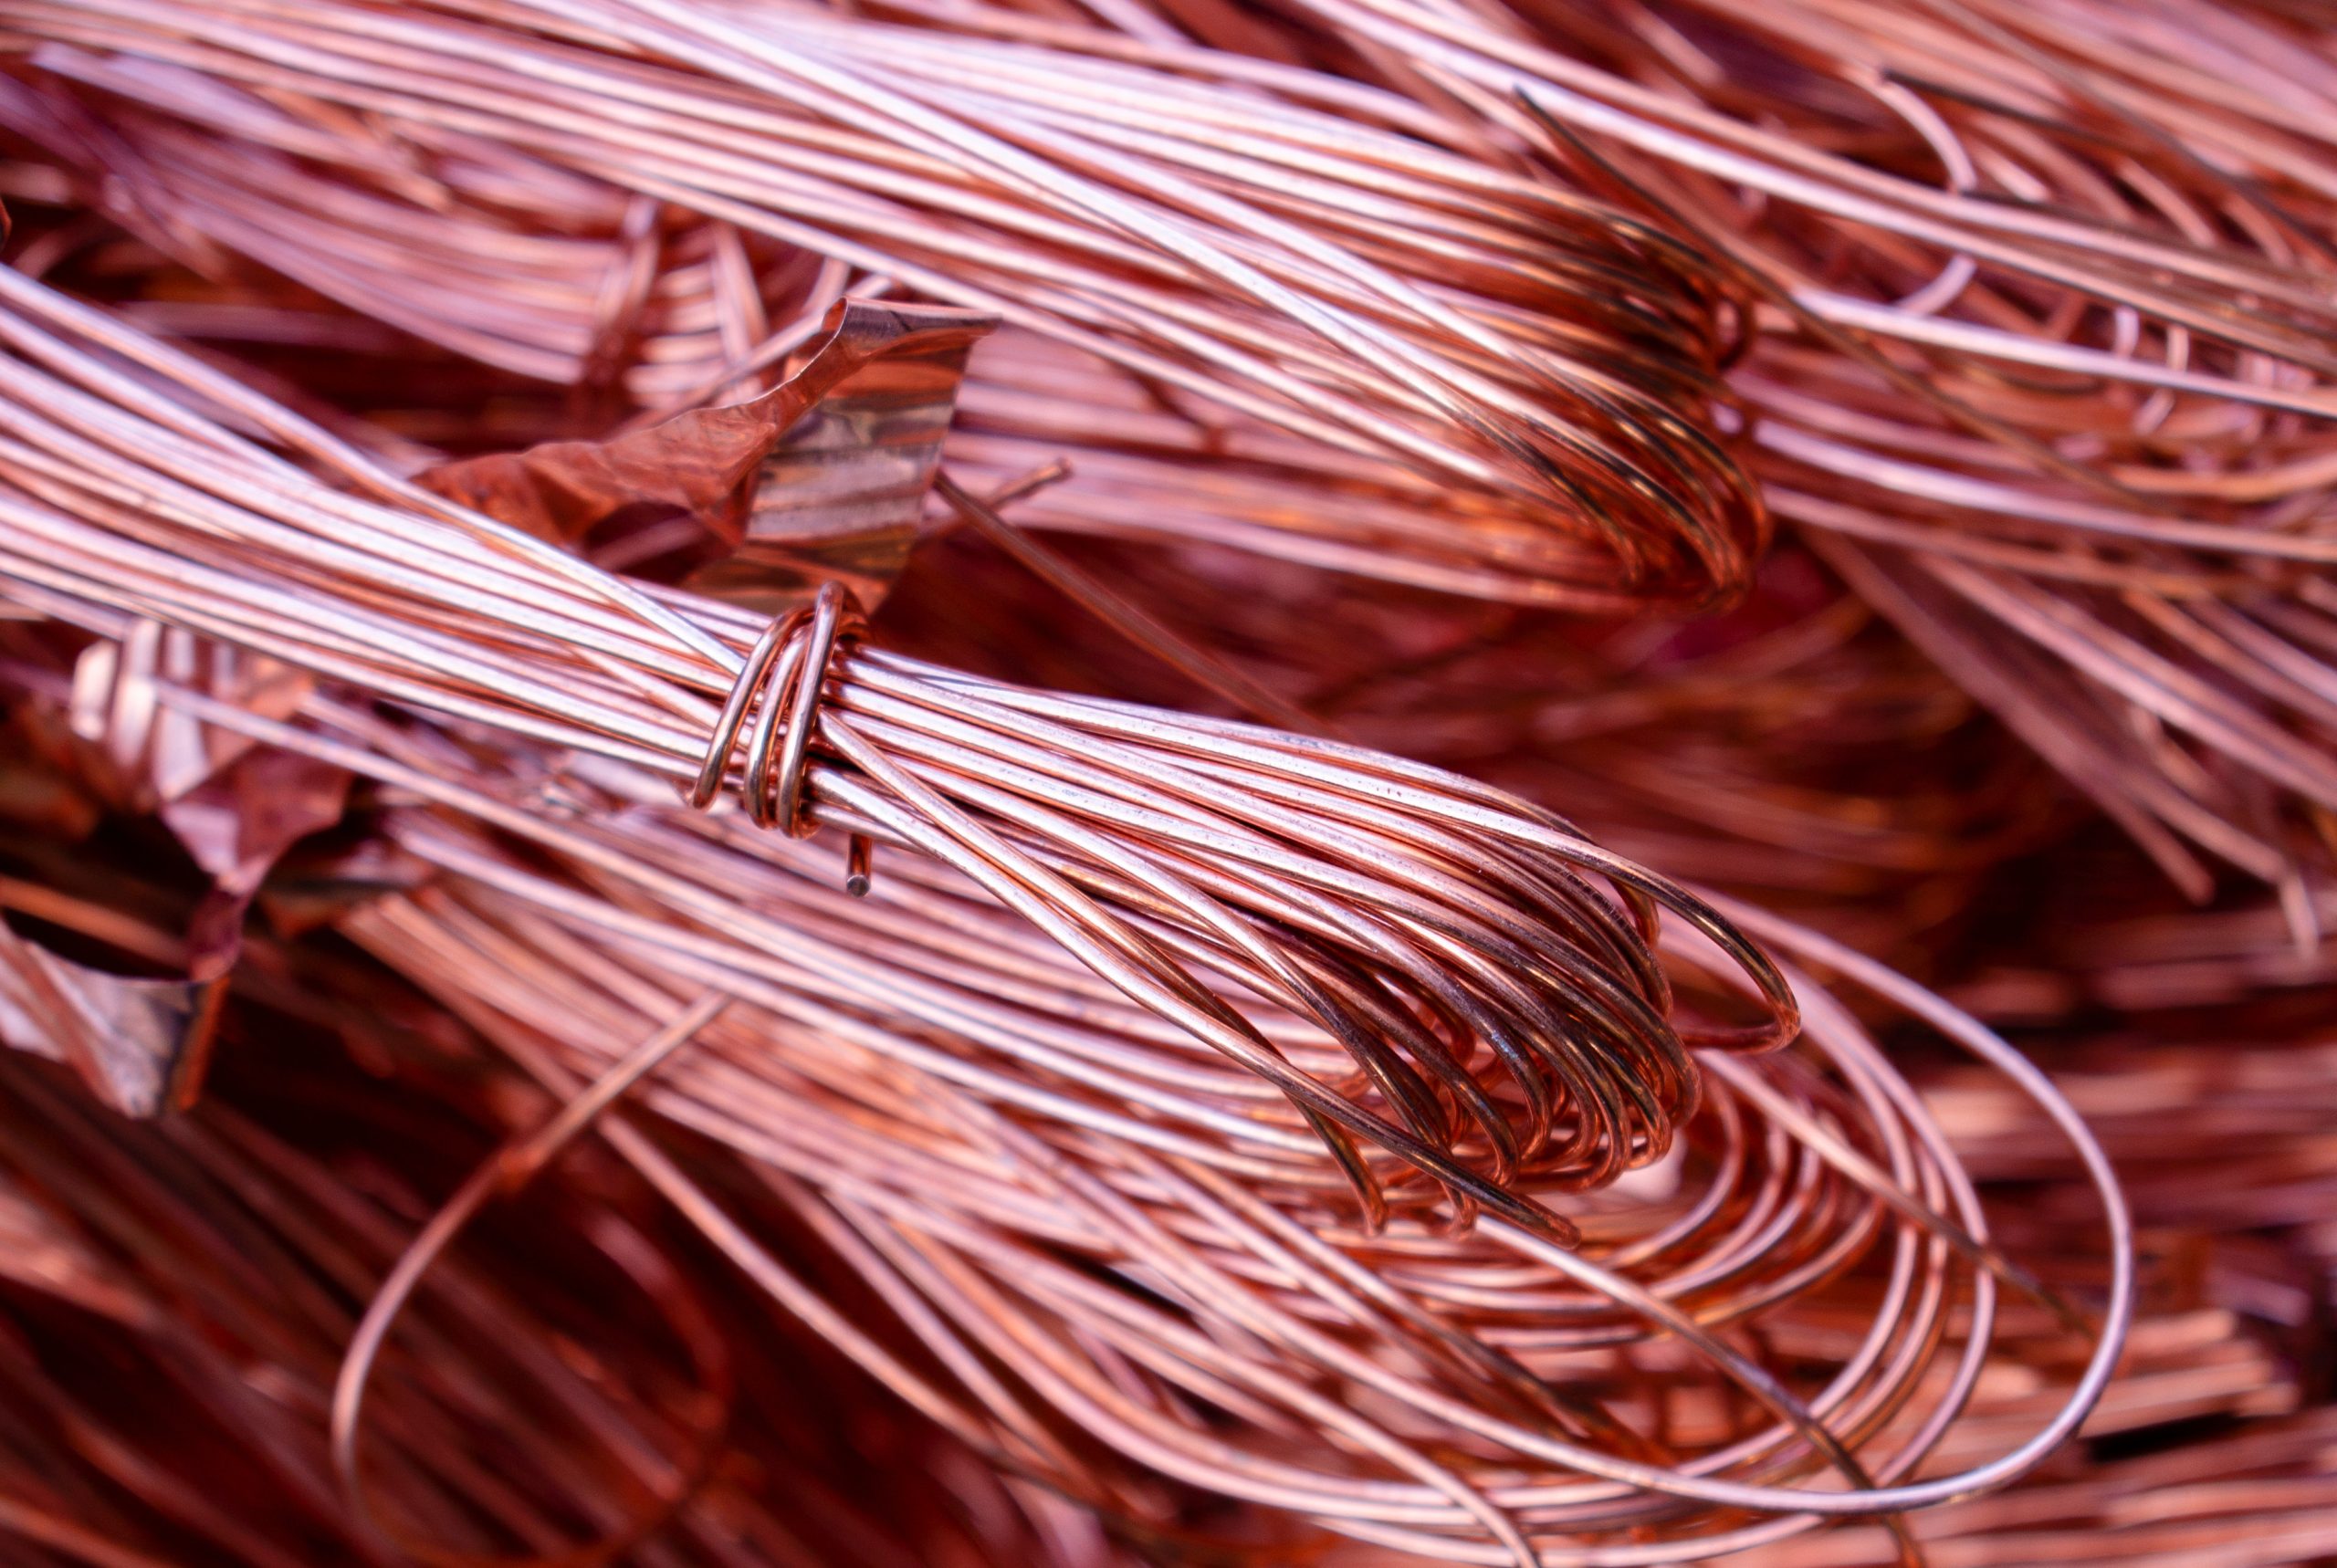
(1419, 920)
(2051, 310)
(434, 426)
(1332, 1350)
(1416, 962)
(1301, 265)
(2028, 347)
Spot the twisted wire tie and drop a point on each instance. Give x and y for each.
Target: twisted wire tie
(777, 667)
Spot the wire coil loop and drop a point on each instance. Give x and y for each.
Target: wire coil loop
(789, 666)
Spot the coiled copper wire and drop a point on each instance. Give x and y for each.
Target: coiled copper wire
(1298, 260)
(975, 1203)
(1984, 411)
(1420, 918)
(2048, 337)
(1208, 1245)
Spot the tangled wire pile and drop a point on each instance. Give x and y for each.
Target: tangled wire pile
(1435, 981)
(550, 549)
(2052, 308)
(1345, 296)
(2042, 315)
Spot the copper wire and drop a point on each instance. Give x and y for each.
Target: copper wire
(964, 1202)
(216, 1255)
(1985, 411)
(797, 672)
(520, 972)
(2046, 325)
(1369, 296)
(1444, 934)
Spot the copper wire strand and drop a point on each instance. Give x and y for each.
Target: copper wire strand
(509, 1170)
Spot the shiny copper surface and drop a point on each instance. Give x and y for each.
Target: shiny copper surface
(1260, 1147)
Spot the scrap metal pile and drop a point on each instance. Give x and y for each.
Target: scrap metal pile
(1337, 783)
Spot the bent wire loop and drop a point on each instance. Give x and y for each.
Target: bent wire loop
(780, 670)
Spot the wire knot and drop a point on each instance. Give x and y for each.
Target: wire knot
(789, 668)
